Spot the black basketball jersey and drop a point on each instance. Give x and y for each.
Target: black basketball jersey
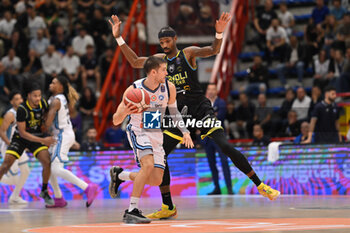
(184, 77)
(34, 118)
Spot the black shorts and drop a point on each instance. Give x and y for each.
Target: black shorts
(19, 144)
(201, 112)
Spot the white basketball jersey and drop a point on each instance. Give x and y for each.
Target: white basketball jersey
(158, 100)
(62, 118)
(12, 128)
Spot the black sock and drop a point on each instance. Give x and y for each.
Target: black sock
(167, 200)
(44, 187)
(255, 179)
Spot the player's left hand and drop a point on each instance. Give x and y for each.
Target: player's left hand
(187, 140)
(220, 24)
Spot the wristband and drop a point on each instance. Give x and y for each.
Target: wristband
(219, 35)
(120, 40)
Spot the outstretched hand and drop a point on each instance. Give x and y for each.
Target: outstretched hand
(221, 24)
(115, 24)
(187, 141)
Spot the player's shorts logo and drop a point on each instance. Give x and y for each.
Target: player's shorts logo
(151, 120)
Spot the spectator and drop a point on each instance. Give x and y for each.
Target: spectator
(312, 40)
(87, 6)
(7, 25)
(338, 11)
(286, 18)
(320, 12)
(263, 21)
(71, 68)
(90, 68)
(324, 122)
(115, 135)
(91, 144)
(330, 31)
(105, 62)
(81, 21)
(321, 66)
(344, 80)
(12, 65)
(259, 138)
(64, 6)
(302, 137)
(33, 67)
(52, 64)
(301, 104)
(4, 90)
(245, 116)
(60, 40)
(292, 127)
(286, 104)
(263, 114)
(316, 97)
(48, 11)
(111, 7)
(99, 30)
(6, 5)
(295, 58)
(19, 44)
(81, 42)
(40, 43)
(230, 121)
(211, 148)
(258, 77)
(276, 41)
(35, 22)
(344, 28)
(87, 102)
(77, 121)
(335, 69)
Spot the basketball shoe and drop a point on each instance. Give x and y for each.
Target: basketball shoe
(268, 192)
(163, 213)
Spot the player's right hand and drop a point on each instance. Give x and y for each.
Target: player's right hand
(48, 141)
(130, 109)
(115, 24)
(187, 140)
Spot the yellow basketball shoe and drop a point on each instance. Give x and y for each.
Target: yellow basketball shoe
(269, 192)
(163, 213)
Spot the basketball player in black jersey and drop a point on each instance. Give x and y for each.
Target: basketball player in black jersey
(182, 72)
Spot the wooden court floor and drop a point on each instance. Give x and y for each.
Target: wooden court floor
(237, 213)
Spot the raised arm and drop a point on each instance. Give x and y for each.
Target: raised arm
(134, 60)
(193, 51)
(9, 118)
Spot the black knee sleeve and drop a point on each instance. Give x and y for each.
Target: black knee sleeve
(166, 176)
(237, 158)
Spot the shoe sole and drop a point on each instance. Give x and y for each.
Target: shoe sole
(173, 216)
(275, 197)
(135, 220)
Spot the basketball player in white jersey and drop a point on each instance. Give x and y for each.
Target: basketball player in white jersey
(7, 129)
(147, 143)
(63, 97)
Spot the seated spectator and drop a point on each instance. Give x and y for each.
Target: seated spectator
(12, 65)
(295, 58)
(87, 102)
(111, 7)
(286, 104)
(81, 41)
(49, 13)
(87, 6)
(81, 21)
(66, 6)
(276, 42)
(91, 144)
(335, 69)
(286, 18)
(263, 114)
(302, 137)
(230, 121)
(99, 30)
(312, 39)
(33, 68)
(71, 68)
(262, 22)
(60, 40)
(6, 5)
(337, 10)
(115, 135)
(344, 80)
(7, 25)
(292, 127)
(245, 116)
(301, 104)
(259, 138)
(321, 66)
(320, 12)
(90, 68)
(52, 64)
(19, 43)
(35, 22)
(40, 43)
(316, 97)
(4, 90)
(330, 31)
(258, 77)
(344, 28)
(105, 62)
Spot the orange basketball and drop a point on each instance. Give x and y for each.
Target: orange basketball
(138, 97)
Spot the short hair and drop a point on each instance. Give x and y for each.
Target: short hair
(152, 63)
(166, 32)
(13, 93)
(329, 88)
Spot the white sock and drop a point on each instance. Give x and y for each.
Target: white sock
(124, 175)
(134, 203)
(55, 186)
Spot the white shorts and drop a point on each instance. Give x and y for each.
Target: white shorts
(24, 159)
(65, 140)
(145, 143)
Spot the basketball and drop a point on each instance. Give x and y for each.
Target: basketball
(138, 97)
